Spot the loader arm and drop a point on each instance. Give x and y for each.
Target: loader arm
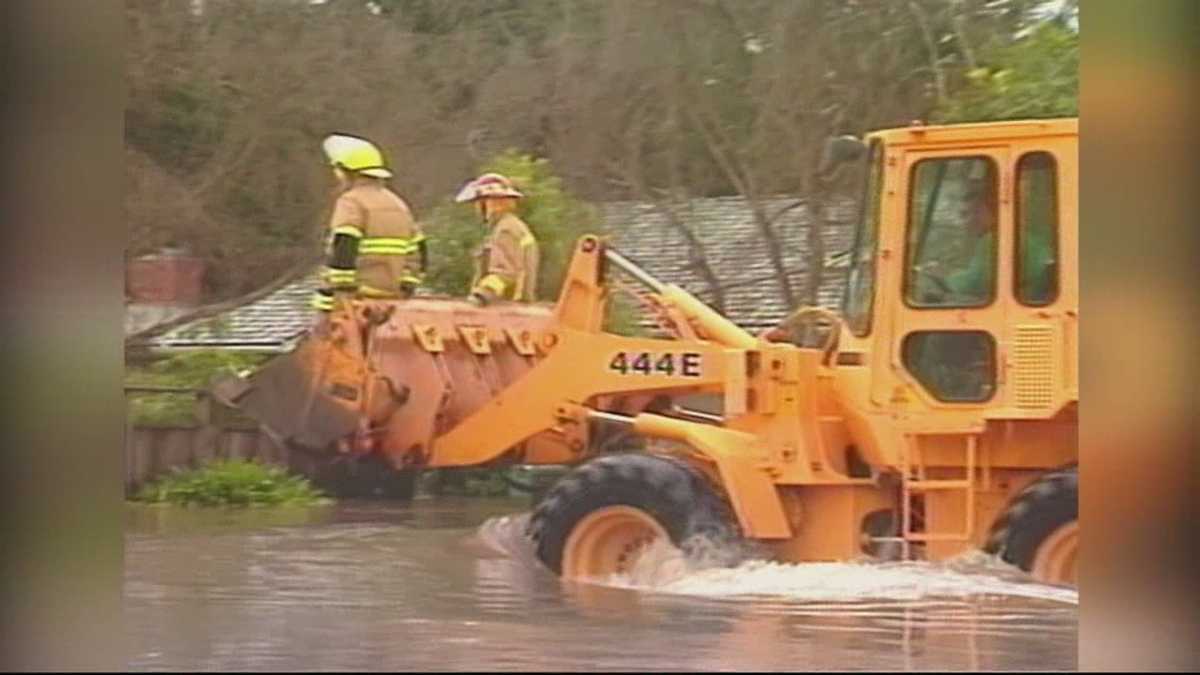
(582, 362)
(581, 366)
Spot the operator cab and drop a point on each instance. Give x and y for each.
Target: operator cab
(960, 291)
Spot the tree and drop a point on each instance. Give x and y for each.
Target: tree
(1036, 76)
(654, 100)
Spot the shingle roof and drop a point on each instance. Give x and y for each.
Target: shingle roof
(275, 321)
(724, 226)
(735, 250)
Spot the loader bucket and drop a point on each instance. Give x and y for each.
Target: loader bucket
(306, 399)
(393, 373)
(454, 358)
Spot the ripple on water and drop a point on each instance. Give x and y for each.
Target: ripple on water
(422, 586)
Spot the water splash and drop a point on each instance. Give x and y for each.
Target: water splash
(663, 568)
(506, 536)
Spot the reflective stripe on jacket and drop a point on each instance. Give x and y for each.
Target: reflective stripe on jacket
(388, 239)
(506, 265)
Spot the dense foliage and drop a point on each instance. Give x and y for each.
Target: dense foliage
(655, 100)
(1035, 77)
(185, 370)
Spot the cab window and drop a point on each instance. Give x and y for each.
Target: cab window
(1037, 229)
(953, 366)
(860, 283)
(950, 254)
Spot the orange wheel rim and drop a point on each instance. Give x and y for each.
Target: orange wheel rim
(1057, 558)
(609, 541)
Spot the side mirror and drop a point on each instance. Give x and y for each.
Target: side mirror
(841, 149)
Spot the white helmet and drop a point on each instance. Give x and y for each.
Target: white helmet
(488, 185)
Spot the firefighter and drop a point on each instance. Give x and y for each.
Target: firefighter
(506, 264)
(375, 249)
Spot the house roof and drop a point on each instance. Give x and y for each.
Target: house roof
(735, 249)
(723, 226)
(273, 322)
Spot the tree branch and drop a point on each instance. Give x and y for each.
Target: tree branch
(939, 77)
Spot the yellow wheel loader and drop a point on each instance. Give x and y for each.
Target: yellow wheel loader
(938, 415)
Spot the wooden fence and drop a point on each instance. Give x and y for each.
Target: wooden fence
(153, 450)
(217, 432)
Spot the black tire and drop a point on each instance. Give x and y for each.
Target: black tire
(1048, 503)
(679, 498)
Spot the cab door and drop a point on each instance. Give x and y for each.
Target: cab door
(946, 327)
(1042, 290)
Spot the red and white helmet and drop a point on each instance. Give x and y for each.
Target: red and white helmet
(488, 185)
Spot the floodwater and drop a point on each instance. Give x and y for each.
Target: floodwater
(451, 585)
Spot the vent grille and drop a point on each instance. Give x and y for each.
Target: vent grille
(1034, 366)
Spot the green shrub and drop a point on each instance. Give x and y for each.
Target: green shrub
(466, 482)
(194, 369)
(234, 482)
(162, 410)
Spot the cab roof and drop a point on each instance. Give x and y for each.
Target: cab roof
(918, 133)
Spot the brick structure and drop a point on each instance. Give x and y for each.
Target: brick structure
(168, 278)
(160, 287)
